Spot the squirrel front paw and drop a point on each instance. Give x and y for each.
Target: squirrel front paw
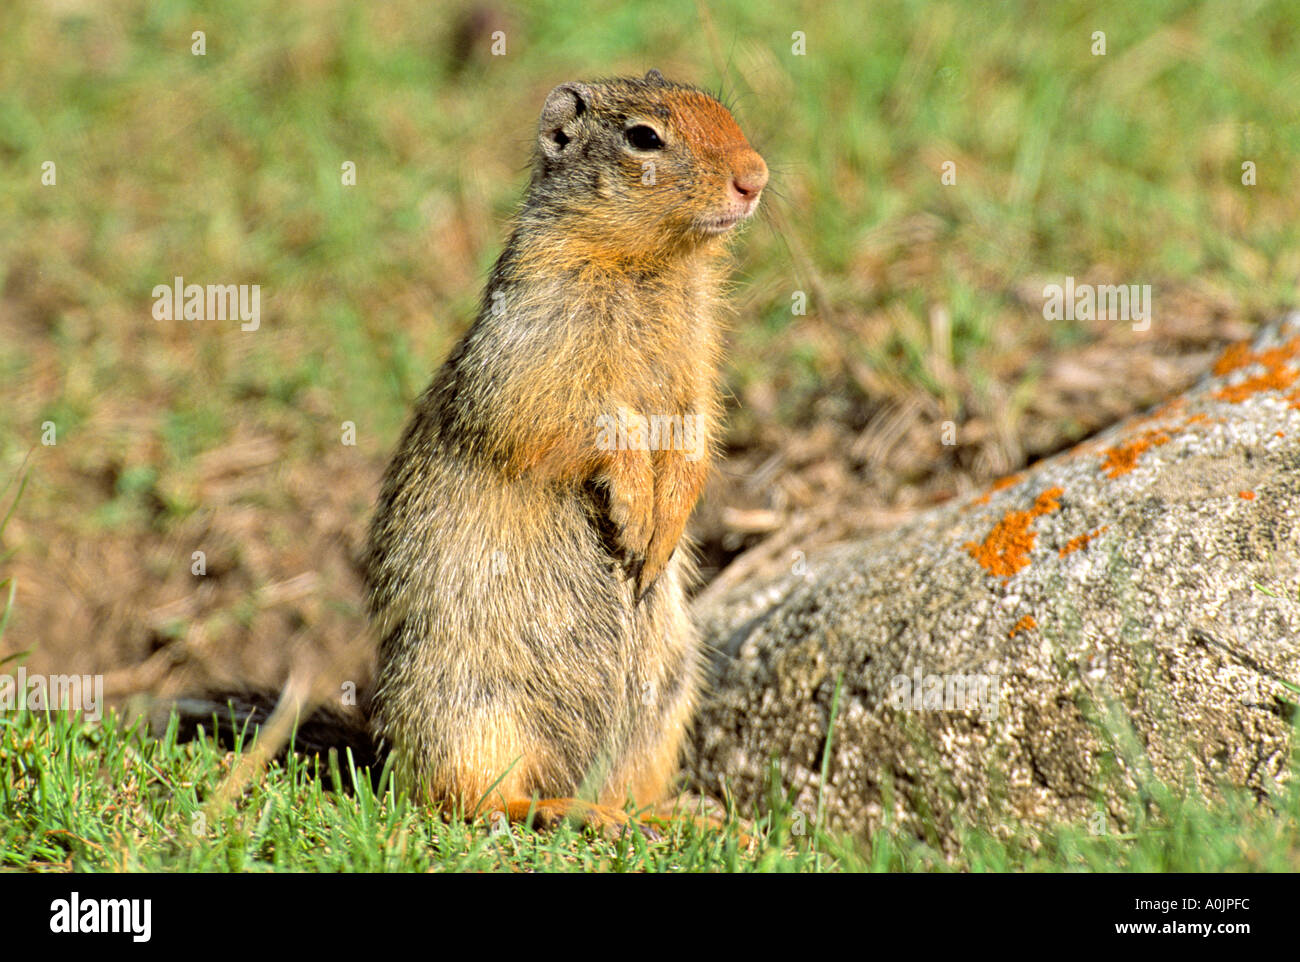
(633, 520)
(631, 485)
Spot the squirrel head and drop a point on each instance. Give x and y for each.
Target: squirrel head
(642, 167)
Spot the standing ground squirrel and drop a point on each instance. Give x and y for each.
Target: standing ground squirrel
(524, 578)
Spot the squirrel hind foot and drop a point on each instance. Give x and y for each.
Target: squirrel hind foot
(549, 813)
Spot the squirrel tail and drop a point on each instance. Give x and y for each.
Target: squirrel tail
(232, 716)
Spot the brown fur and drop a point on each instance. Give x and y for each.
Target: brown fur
(526, 580)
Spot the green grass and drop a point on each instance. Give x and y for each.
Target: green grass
(111, 797)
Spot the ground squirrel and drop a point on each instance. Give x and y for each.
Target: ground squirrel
(525, 568)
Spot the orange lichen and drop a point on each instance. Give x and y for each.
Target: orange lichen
(1123, 458)
(1278, 373)
(1074, 544)
(1006, 549)
(1235, 357)
(1273, 379)
(1027, 623)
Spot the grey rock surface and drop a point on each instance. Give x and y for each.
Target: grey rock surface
(1128, 608)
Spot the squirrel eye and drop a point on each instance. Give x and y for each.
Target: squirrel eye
(643, 138)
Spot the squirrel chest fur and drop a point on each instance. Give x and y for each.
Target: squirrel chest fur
(525, 564)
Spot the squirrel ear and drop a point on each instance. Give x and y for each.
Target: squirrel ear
(556, 128)
(655, 77)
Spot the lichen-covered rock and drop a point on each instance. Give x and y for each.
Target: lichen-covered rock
(1128, 608)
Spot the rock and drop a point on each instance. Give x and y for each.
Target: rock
(1126, 609)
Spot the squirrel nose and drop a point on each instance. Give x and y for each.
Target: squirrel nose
(749, 179)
